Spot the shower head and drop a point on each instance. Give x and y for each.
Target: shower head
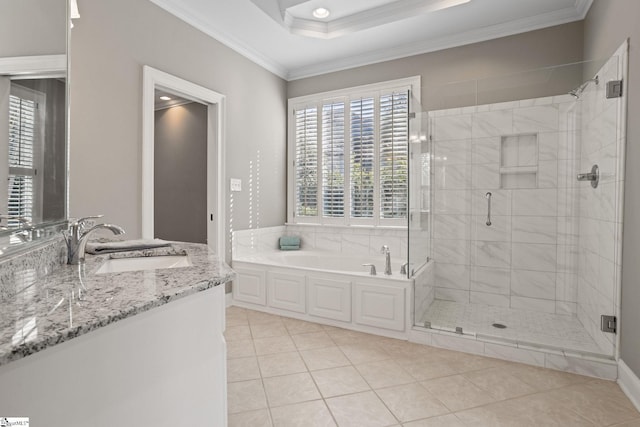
(578, 91)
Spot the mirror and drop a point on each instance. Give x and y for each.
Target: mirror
(33, 120)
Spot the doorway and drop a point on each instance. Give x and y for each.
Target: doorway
(182, 161)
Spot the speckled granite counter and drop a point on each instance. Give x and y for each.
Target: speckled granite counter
(73, 300)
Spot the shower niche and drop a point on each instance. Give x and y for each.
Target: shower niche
(519, 161)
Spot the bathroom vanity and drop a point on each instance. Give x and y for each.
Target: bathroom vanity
(141, 347)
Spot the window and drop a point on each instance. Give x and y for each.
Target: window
(349, 154)
(25, 139)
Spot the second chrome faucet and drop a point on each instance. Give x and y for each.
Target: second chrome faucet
(387, 261)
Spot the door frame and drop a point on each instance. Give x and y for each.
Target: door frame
(216, 103)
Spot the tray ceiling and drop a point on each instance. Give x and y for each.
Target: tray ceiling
(284, 36)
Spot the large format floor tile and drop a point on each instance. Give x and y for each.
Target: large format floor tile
(287, 373)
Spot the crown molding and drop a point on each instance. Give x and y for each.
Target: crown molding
(524, 25)
(231, 42)
(583, 7)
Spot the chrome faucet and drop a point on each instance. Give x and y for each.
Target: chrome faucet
(387, 263)
(404, 269)
(77, 237)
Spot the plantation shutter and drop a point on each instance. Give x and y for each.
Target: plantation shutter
(306, 161)
(394, 154)
(362, 159)
(333, 116)
(22, 135)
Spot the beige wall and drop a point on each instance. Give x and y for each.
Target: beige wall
(110, 44)
(32, 27)
(523, 52)
(607, 25)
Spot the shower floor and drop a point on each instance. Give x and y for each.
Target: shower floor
(526, 327)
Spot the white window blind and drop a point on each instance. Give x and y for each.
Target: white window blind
(306, 161)
(355, 141)
(362, 162)
(333, 160)
(394, 155)
(22, 137)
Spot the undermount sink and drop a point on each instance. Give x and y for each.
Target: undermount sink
(143, 263)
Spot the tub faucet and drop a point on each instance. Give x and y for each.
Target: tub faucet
(387, 262)
(77, 238)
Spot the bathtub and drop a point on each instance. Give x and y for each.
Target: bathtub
(326, 287)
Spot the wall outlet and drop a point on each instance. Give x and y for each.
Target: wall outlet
(235, 184)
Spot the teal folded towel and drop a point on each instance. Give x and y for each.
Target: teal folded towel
(289, 248)
(289, 241)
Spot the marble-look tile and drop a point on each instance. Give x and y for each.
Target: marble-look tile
(449, 420)
(457, 392)
(514, 354)
(533, 284)
(543, 202)
(273, 365)
(452, 276)
(485, 298)
(491, 254)
(452, 127)
(533, 304)
(544, 379)
(490, 279)
(273, 345)
(289, 389)
(306, 414)
(500, 202)
(499, 383)
(485, 176)
(355, 243)
(492, 123)
(339, 381)
(245, 396)
(457, 295)
(452, 177)
(451, 226)
(528, 256)
(536, 119)
(324, 358)
(548, 146)
(242, 369)
(451, 251)
(360, 410)
(258, 418)
(384, 373)
(566, 308)
(452, 152)
(498, 231)
(485, 150)
(312, 340)
(329, 242)
(453, 202)
(460, 344)
(582, 366)
(411, 402)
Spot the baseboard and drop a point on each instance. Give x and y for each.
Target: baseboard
(228, 299)
(629, 383)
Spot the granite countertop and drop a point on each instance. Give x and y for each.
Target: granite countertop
(73, 300)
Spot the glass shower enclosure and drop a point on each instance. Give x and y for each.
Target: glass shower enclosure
(516, 191)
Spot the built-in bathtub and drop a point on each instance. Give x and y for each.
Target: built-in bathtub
(328, 287)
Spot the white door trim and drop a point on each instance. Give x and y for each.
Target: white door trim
(153, 78)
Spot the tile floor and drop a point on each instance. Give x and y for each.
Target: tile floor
(287, 372)
(551, 330)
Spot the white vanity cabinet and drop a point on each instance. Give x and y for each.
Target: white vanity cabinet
(380, 306)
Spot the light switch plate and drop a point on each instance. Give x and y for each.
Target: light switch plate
(235, 184)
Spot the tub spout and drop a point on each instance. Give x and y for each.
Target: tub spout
(387, 262)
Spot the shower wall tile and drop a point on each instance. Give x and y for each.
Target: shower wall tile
(548, 174)
(491, 254)
(536, 119)
(491, 280)
(451, 153)
(500, 202)
(486, 298)
(454, 295)
(548, 146)
(454, 202)
(566, 308)
(535, 202)
(452, 227)
(533, 284)
(547, 306)
(452, 177)
(534, 229)
(567, 287)
(486, 176)
(498, 231)
(452, 128)
(485, 150)
(451, 251)
(492, 123)
(536, 257)
(452, 276)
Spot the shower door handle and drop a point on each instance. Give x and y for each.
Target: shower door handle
(488, 197)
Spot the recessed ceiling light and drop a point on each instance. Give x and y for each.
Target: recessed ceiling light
(321, 12)
(165, 98)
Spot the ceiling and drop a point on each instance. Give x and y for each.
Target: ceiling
(285, 38)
